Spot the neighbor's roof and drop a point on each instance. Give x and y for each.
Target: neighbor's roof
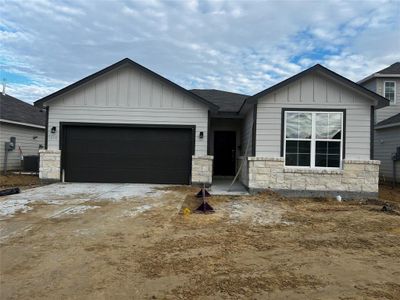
(391, 71)
(321, 69)
(227, 101)
(389, 122)
(125, 61)
(13, 109)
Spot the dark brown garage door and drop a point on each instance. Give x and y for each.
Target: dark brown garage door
(127, 154)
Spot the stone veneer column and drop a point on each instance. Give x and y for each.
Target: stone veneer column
(358, 178)
(202, 169)
(49, 168)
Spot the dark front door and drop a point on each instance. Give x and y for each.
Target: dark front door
(101, 153)
(224, 153)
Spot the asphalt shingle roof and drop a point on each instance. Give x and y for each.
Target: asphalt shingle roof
(13, 109)
(392, 69)
(227, 101)
(389, 121)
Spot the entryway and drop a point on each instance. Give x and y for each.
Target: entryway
(224, 153)
(222, 185)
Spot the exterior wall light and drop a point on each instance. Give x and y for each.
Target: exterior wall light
(201, 135)
(53, 129)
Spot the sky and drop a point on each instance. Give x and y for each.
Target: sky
(237, 46)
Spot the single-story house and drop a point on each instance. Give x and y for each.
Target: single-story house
(309, 134)
(386, 82)
(26, 124)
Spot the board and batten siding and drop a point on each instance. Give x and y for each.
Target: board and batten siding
(128, 96)
(314, 92)
(393, 109)
(24, 138)
(386, 142)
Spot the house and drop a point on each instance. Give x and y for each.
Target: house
(386, 82)
(24, 122)
(310, 134)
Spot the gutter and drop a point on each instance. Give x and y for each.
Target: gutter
(22, 124)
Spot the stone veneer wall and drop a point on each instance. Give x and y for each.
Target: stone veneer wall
(358, 178)
(49, 167)
(202, 169)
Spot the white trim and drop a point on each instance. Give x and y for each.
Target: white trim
(384, 91)
(22, 124)
(313, 140)
(378, 75)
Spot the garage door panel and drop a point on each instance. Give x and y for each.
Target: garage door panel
(127, 154)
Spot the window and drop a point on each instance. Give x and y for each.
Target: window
(390, 91)
(313, 139)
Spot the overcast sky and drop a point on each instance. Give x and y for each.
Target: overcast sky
(239, 46)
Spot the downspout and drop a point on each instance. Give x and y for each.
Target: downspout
(46, 137)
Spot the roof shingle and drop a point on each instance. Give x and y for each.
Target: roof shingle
(392, 69)
(13, 109)
(389, 121)
(227, 101)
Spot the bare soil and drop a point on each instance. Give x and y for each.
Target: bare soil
(252, 247)
(21, 181)
(389, 193)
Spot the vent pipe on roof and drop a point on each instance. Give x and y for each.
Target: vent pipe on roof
(4, 87)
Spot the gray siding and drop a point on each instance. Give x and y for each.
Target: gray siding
(371, 85)
(129, 96)
(386, 141)
(388, 111)
(314, 92)
(247, 133)
(24, 138)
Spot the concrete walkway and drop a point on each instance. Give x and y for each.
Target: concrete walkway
(221, 186)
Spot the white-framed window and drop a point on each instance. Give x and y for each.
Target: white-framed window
(389, 91)
(313, 139)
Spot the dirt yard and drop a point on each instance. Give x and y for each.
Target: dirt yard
(252, 247)
(21, 181)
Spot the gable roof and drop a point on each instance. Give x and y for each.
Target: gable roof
(392, 71)
(389, 122)
(125, 61)
(226, 101)
(13, 109)
(320, 69)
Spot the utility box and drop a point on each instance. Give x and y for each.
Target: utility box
(31, 163)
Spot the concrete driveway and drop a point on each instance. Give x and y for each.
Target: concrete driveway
(20, 212)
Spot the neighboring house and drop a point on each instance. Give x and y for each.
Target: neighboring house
(24, 122)
(387, 122)
(310, 134)
(386, 83)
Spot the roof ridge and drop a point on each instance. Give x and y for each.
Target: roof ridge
(220, 91)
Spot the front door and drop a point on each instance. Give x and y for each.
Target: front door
(224, 153)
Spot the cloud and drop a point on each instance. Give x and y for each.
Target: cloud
(240, 46)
